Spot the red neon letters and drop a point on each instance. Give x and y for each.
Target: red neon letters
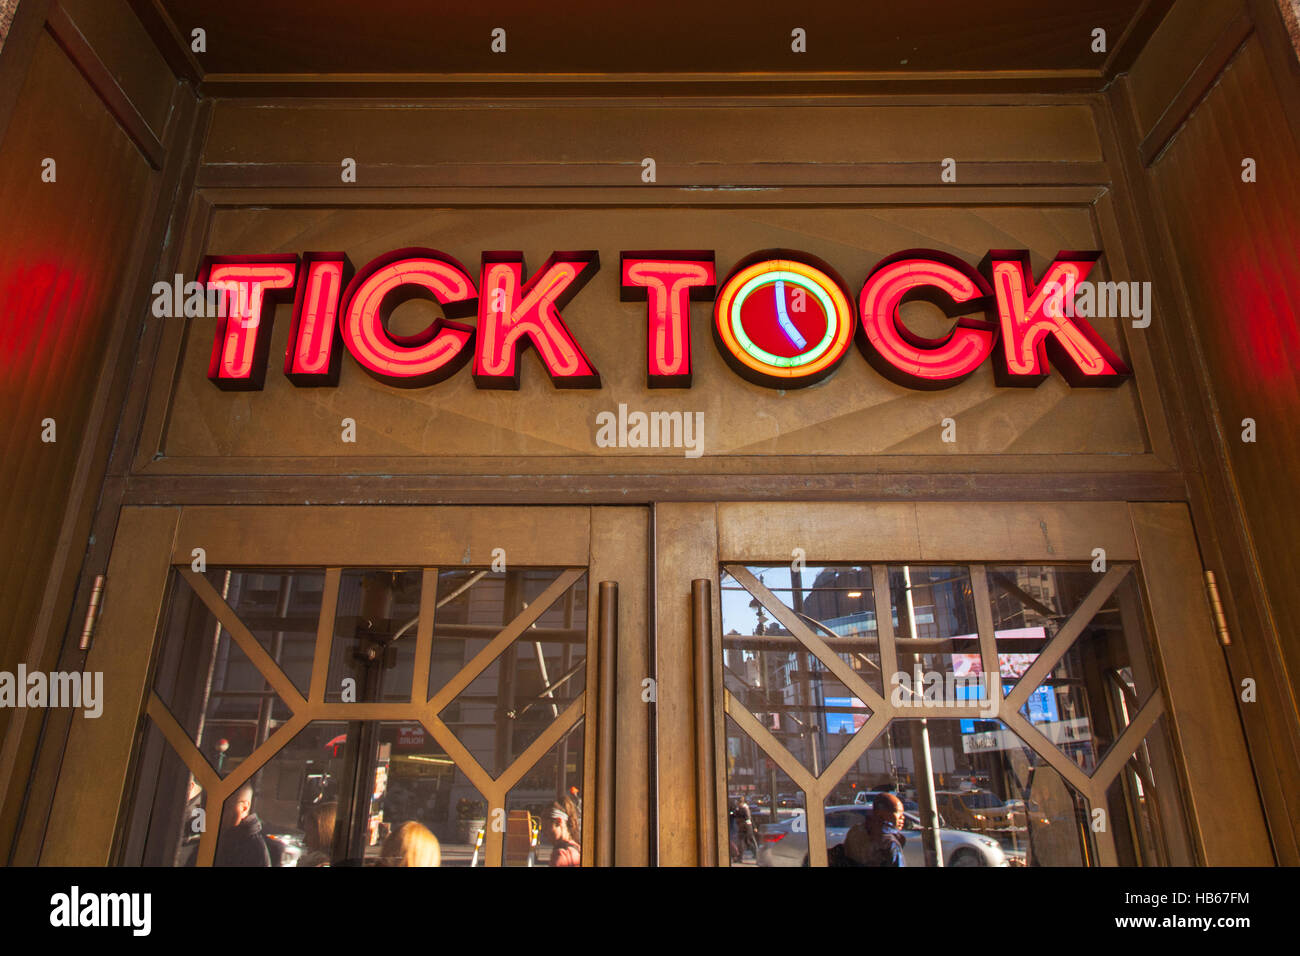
(250, 286)
(512, 314)
(667, 282)
(782, 319)
(311, 358)
(1031, 333)
(904, 357)
(386, 282)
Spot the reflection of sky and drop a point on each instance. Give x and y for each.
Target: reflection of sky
(738, 616)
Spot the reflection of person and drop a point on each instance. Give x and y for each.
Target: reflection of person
(878, 840)
(745, 836)
(566, 852)
(318, 833)
(412, 844)
(731, 831)
(241, 842)
(190, 829)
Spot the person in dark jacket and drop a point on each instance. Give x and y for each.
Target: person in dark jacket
(878, 840)
(241, 842)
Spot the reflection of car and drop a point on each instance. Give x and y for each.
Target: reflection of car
(869, 797)
(285, 849)
(1018, 814)
(786, 843)
(980, 810)
(762, 818)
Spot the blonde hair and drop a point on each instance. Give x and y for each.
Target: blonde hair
(412, 844)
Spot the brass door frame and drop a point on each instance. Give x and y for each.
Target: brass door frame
(694, 542)
(92, 794)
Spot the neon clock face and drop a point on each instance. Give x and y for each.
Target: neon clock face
(783, 322)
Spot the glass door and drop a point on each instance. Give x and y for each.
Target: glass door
(361, 686)
(943, 684)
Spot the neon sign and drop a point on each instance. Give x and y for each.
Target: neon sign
(781, 319)
(667, 282)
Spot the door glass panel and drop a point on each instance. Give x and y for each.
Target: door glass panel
(1003, 787)
(419, 799)
(835, 601)
(1092, 693)
(1030, 604)
(287, 812)
(314, 786)
(1134, 802)
(281, 609)
(755, 785)
(169, 806)
(526, 687)
(535, 834)
(787, 688)
(374, 636)
(223, 702)
(935, 631)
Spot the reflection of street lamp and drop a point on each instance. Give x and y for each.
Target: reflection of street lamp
(222, 746)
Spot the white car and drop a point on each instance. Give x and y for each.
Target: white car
(786, 843)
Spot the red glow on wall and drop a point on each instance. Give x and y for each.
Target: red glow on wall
(905, 357)
(513, 314)
(311, 358)
(667, 282)
(1030, 336)
(408, 361)
(249, 288)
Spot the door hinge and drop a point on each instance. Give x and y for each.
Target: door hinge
(92, 613)
(1216, 607)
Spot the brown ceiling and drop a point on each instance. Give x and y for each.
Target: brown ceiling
(903, 38)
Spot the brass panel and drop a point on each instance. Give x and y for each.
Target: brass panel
(927, 531)
(856, 419)
(1125, 262)
(1199, 693)
(383, 535)
(1024, 531)
(834, 531)
(619, 134)
(686, 548)
(619, 537)
(84, 815)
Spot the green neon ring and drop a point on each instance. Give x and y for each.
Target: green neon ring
(784, 361)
